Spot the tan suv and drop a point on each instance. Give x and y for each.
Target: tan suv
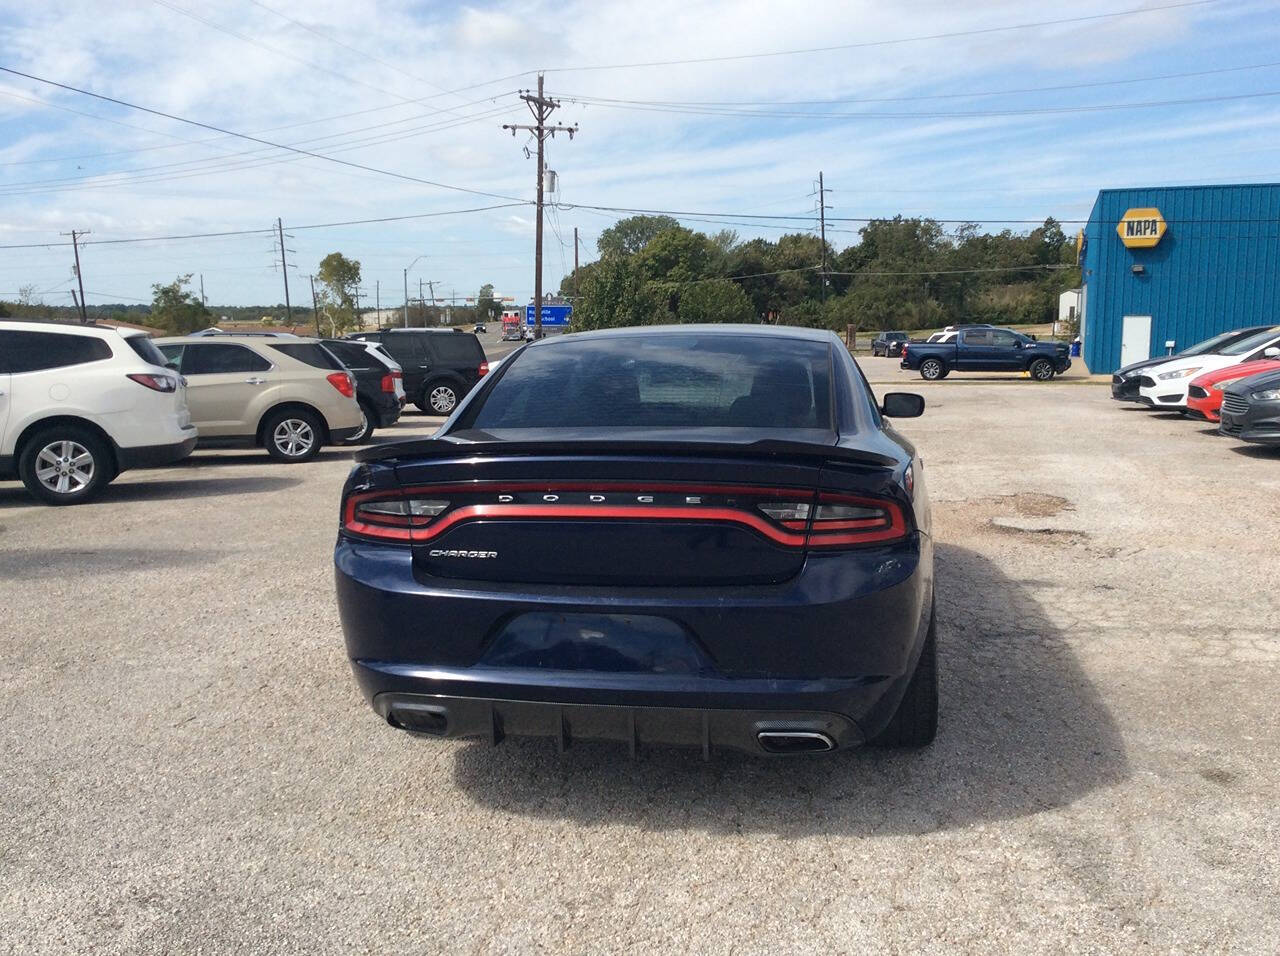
(288, 394)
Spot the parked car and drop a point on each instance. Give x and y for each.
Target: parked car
(1124, 381)
(1166, 385)
(81, 403)
(291, 396)
(888, 343)
(440, 367)
(1204, 394)
(698, 535)
(1251, 409)
(379, 386)
(987, 349)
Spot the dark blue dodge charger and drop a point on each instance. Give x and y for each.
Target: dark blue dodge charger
(705, 536)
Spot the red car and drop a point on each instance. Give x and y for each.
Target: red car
(1204, 397)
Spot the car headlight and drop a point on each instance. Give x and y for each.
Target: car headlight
(1266, 395)
(1222, 386)
(1180, 373)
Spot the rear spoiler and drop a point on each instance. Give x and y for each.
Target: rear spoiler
(450, 447)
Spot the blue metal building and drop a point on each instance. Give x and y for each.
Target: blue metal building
(1177, 264)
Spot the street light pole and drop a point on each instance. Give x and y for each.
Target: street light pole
(406, 290)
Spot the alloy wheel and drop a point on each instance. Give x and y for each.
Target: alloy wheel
(443, 399)
(65, 466)
(294, 437)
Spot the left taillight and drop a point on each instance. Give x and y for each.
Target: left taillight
(343, 382)
(483, 370)
(388, 517)
(157, 383)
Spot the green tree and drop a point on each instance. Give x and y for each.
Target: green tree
(716, 300)
(340, 277)
(177, 310)
(628, 236)
(487, 309)
(617, 294)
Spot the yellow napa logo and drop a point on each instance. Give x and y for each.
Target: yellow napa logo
(1141, 228)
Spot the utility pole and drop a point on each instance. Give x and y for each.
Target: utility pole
(541, 107)
(284, 267)
(203, 300)
(359, 324)
(75, 245)
(421, 301)
(377, 299)
(77, 302)
(822, 222)
(406, 298)
(315, 306)
(575, 264)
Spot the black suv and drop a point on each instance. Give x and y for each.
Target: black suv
(888, 343)
(375, 386)
(440, 366)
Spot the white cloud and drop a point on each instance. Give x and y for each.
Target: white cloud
(958, 167)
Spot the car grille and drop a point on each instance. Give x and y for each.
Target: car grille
(1233, 404)
(1147, 381)
(1195, 391)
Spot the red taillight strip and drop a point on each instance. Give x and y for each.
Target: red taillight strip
(790, 533)
(621, 512)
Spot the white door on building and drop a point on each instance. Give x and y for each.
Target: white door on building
(1135, 339)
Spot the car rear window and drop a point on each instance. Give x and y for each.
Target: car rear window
(351, 355)
(313, 354)
(23, 351)
(666, 380)
(145, 349)
(456, 348)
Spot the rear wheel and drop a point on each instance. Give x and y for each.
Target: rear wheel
(916, 722)
(932, 369)
(65, 465)
(1041, 370)
(441, 398)
(367, 419)
(293, 435)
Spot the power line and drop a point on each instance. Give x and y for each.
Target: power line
(876, 43)
(253, 158)
(255, 139)
(921, 114)
(574, 98)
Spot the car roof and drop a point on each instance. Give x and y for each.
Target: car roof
(49, 325)
(234, 340)
(739, 330)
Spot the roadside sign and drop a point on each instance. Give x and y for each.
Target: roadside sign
(1141, 228)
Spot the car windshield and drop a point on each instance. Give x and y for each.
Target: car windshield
(1211, 345)
(1252, 342)
(663, 380)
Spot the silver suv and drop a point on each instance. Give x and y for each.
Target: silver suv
(291, 396)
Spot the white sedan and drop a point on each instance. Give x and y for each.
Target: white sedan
(1165, 385)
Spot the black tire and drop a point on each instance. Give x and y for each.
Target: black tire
(439, 398)
(366, 426)
(932, 369)
(1041, 370)
(945, 372)
(915, 723)
(66, 457)
(293, 435)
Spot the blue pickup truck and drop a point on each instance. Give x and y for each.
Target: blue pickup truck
(987, 350)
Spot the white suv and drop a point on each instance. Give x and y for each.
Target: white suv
(81, 403)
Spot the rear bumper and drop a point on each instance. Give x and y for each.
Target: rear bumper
(388, 410)
(152, 456)
(829, 651)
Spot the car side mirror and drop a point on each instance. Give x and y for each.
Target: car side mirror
(902, 405)
(1271, 351)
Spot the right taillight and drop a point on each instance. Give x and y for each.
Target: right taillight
(157, 383)
(841, 521)
(389, 382)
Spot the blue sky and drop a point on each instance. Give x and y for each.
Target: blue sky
(931, 108)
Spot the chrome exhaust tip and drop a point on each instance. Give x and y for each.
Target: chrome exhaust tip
(795, 742)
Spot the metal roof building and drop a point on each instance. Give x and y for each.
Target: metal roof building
(1176, 265)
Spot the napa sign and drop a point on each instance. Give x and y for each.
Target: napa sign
(1141, 228)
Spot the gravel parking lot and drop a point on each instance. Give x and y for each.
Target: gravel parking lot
(189, 768)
